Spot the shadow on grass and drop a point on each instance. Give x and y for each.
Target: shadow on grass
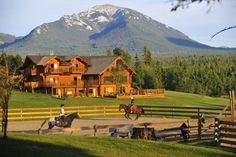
(24, 148)
(207, 143)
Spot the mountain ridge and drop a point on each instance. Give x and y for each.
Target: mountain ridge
(105, 27)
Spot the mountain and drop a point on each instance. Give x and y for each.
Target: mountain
(101, 28)
(6, 38)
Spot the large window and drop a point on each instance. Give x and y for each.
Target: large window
(108, 90)
(122, 79)
(108, 79)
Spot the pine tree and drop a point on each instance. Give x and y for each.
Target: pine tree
(147, 56)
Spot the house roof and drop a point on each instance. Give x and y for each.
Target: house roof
(40, 60)
(97, 64)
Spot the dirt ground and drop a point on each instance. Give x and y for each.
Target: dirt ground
(158, 123)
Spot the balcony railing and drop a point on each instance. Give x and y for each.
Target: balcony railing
(64, 70)
(64, 84)
(92, 82)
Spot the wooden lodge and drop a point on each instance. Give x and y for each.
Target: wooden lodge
(77, 75)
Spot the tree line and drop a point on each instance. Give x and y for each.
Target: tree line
(205, 74)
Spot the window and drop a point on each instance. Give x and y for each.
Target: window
(55, 66)
(122, 79)
(53, 80)
(90, 91)
(95, 77)
(52, 65)
(108, 79)
(108, 90)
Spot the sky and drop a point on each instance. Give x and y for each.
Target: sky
(19, 17)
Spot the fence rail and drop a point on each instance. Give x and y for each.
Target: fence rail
(225, 133)
(179, 111)
(113, 110)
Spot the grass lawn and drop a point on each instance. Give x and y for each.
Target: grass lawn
(25, 145)
(23, 99)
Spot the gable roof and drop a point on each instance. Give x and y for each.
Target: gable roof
(97, 64)
(40, 60)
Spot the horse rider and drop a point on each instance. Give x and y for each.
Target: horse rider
(131, 104)
(62, 113)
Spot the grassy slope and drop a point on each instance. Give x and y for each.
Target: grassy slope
(65, 146)
(22, 99)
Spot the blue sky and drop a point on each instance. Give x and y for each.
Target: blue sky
(19, 17)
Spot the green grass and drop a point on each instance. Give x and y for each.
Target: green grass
(23, 99)
(24, 145)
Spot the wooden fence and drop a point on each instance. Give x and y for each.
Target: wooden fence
(43, 113)
(225, 133)
(167, 111)
(124, 130)
(171, 111)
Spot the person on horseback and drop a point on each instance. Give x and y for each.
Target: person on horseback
(131, 104)
(62, 113)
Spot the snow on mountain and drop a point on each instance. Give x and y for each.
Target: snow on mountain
(101, 28)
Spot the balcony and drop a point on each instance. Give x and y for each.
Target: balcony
(92, 83)
(64, 70)
(64, 84)
(31, 84)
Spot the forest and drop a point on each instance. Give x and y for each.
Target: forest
(212, 74)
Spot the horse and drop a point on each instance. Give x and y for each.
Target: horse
(57, 121)
(135, 110)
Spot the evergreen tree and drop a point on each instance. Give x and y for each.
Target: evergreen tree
(123, 53)
(147, 56)
(138, 78)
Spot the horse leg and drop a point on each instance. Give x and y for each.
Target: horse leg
(39, 130)
(129, 117)
(50, 125)
(126, 115)
(137, 115)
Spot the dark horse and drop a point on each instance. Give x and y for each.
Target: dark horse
(135, 110)
(66, 123)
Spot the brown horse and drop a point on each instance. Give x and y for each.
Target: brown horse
(135, 110)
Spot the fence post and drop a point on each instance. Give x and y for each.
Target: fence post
(104, 111)
(50, 111)
(21, 114)
(172, 112)
(151, 111)
(217, 132)
(232, 105)
(95, 130)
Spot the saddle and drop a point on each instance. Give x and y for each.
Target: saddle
(131, 108)
(60, 119)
